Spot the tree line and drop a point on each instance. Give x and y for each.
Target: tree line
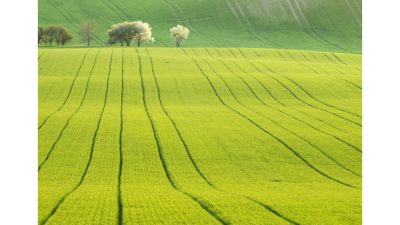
(125, 32)
(138, 32)
(58, 34)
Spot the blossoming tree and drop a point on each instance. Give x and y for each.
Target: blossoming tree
(142, 32)
(127, 31)
(179, 33)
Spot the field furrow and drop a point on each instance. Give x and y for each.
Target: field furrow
(42, 63)
(298, 128)
(100, 206)
(51, 133)
(211, 199)
(298, 93)
(271, 100)
(241, 112)
(199, 135)
(69, 93)
(146, 191)
(68, 161)
(55, 87)
(291, 92)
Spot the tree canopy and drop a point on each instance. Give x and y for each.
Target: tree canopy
(51, 33)
(127, 31)
(178, 34)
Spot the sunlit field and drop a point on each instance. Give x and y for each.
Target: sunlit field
(199, 136)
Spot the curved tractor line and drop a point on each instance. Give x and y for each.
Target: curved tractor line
(201, 37)
(66, 124)
(304, 65)
(306, 93)
(72, 85)
(119, 9)
(279, 140)
(280, 46)
(44, 62)
(120, 206)
(269, 118)
(301, 12)
(195, 165)
(286, 105)
(322, 69)
(284, 112)
(290, 90)
(358, 6)
(207, 181)
(295, 15)
(112, 10)
(354, 13)
(75, 20)
(91, 150)
(304, 89)
(161, 155)
(265, 206)
(42, 54)
(234, 12)
(194, 26)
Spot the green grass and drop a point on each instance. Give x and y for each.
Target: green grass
(329, 25)
(199, 135)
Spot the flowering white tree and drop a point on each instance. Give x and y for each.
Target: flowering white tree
(128, 31)
(179, 33)
(142, 32)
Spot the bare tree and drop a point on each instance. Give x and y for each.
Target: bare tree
(87, 31)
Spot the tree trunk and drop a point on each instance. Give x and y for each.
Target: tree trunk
(88, 44)
(122, 43)
(127, 44)
(138, 43)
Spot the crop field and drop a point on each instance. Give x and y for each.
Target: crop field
(199, 135)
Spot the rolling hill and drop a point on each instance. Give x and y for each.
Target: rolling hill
(256, 119)
(328, 25)
(199, 136)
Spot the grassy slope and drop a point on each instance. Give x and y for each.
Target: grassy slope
(199, 135)
(329, 25)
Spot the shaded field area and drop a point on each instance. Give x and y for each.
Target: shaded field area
(199, 136)
(329, 25)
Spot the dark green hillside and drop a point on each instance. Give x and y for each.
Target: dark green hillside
(328, 25)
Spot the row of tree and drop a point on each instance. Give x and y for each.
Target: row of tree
(125, 32)
(58, 34)
(141, 32)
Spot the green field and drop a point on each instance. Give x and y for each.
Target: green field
(199, 136)
(328, 25)
(257, 119)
